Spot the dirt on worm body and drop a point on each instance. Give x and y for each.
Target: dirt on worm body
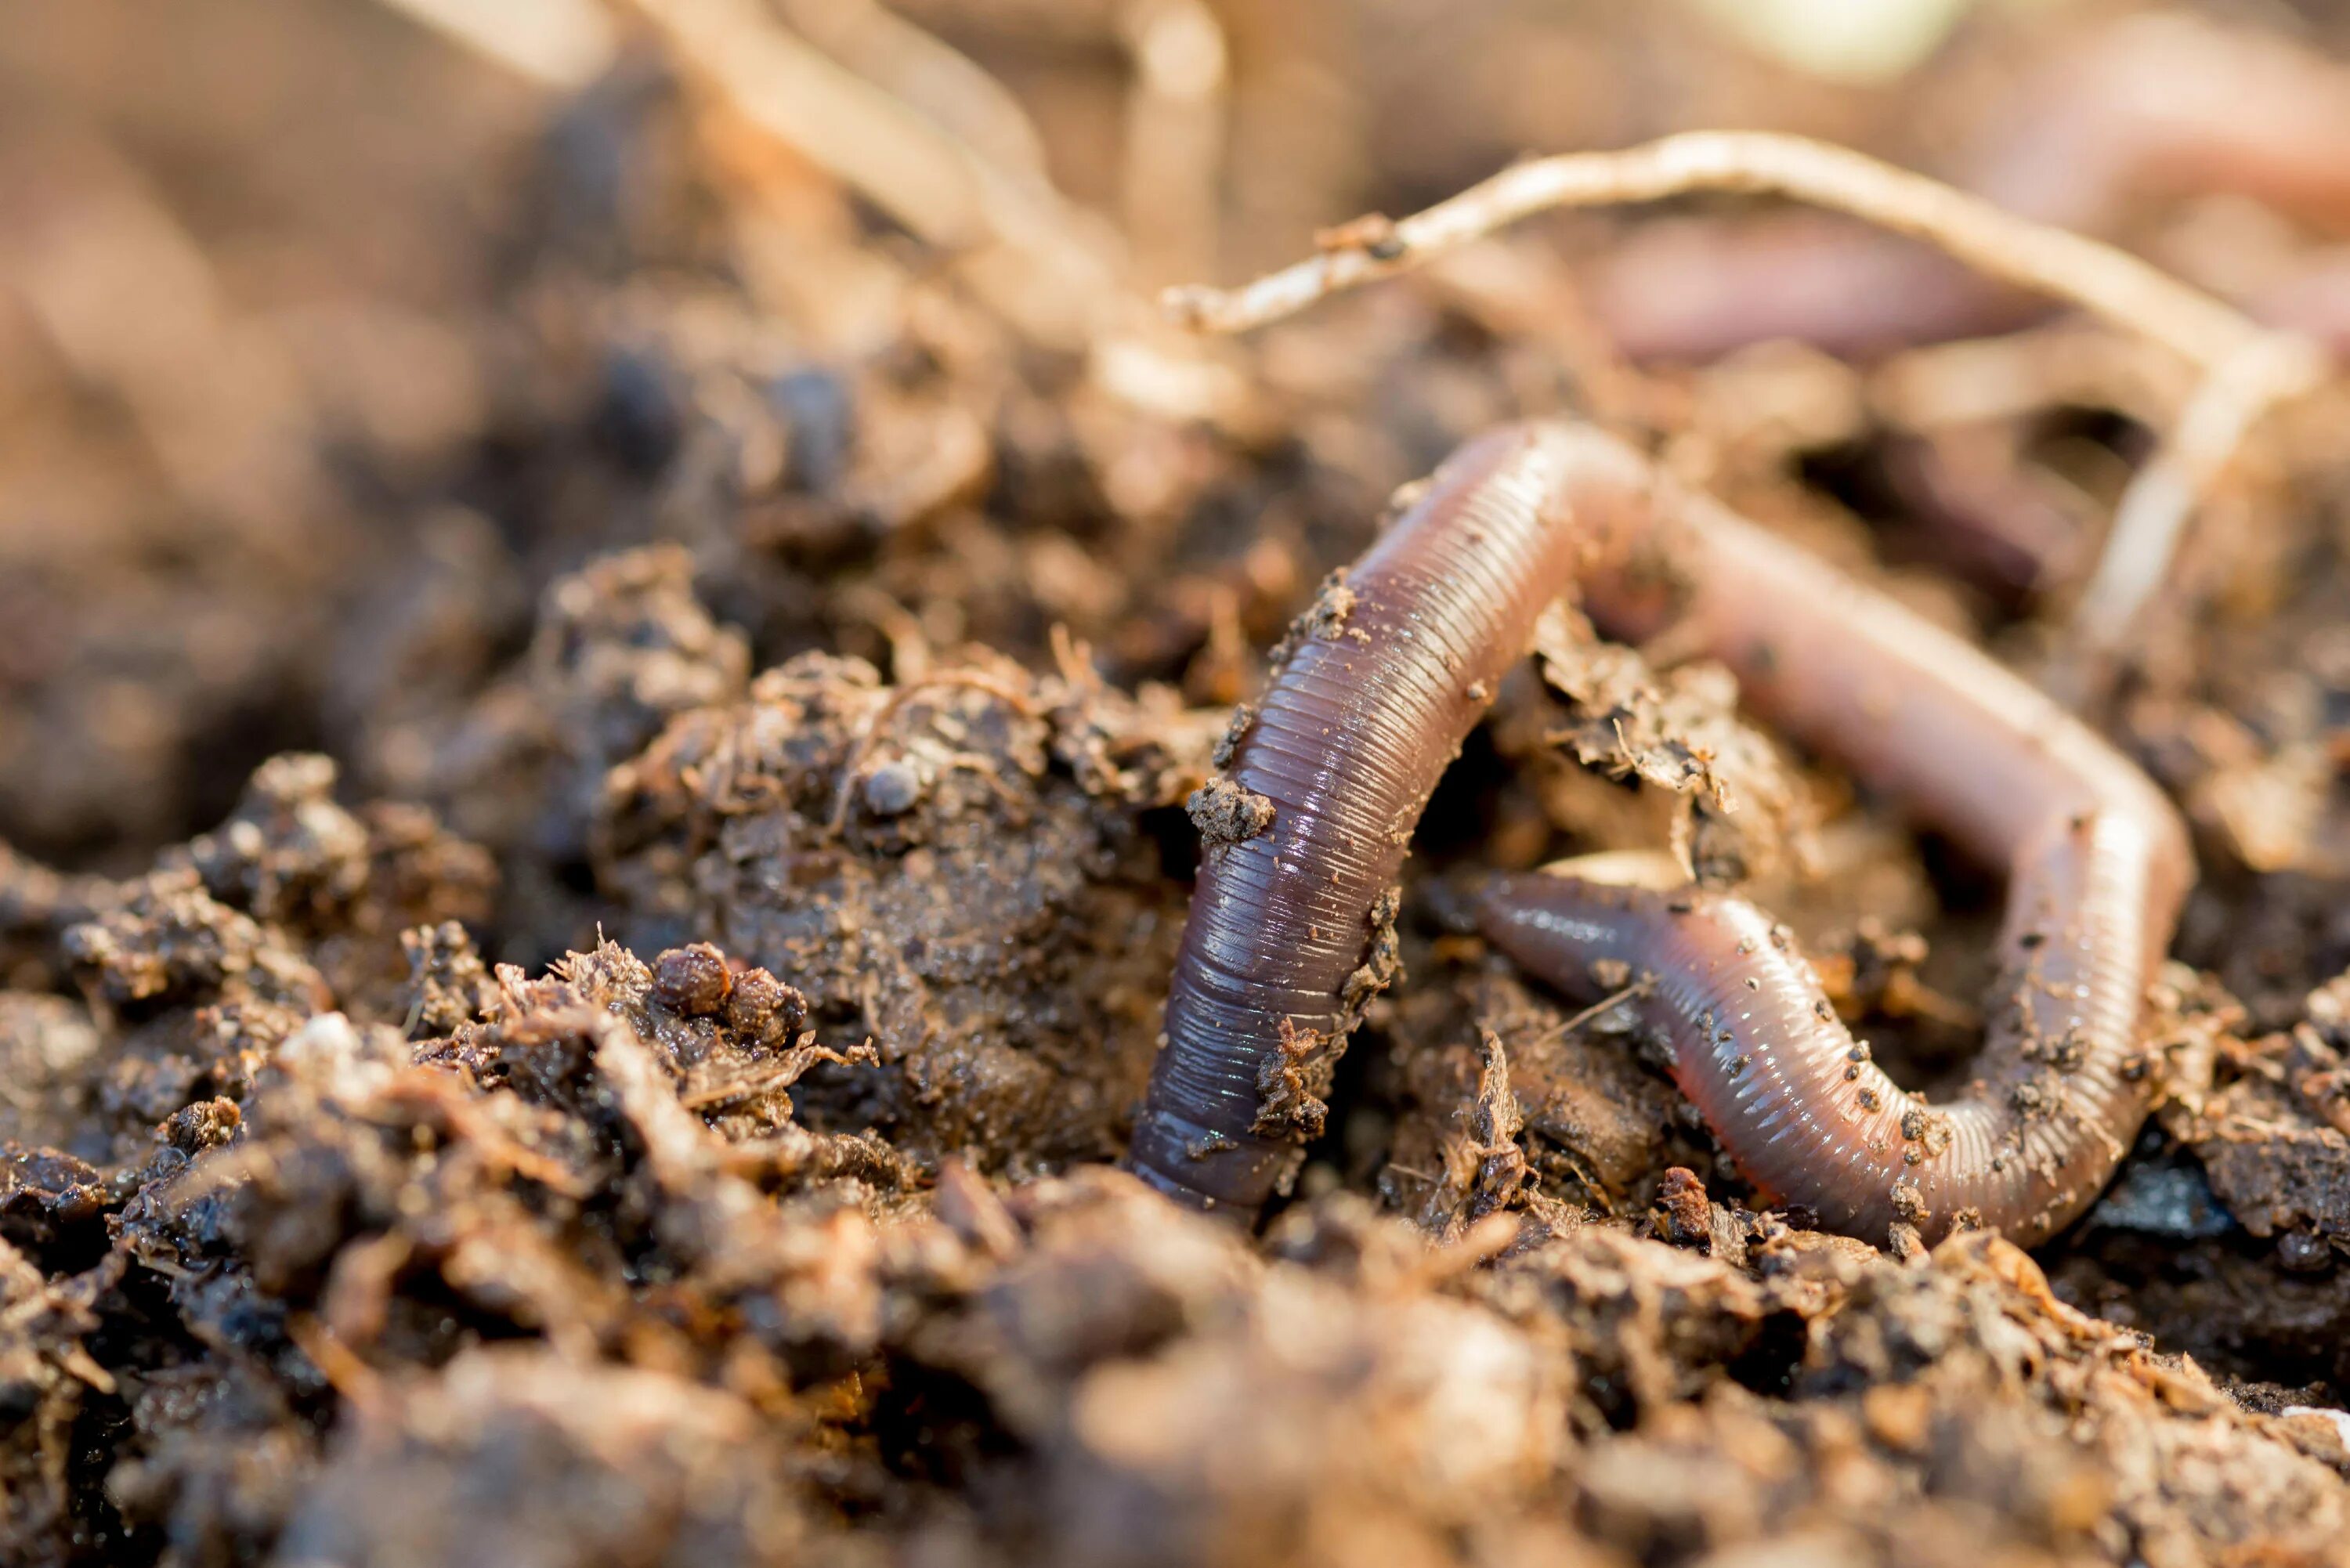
(601, 757)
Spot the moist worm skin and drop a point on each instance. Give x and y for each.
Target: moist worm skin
(1349, 739)
(1355, 729)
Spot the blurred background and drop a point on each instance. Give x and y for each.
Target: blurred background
(333, 331)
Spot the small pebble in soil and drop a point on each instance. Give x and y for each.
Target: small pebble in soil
(2305, 1254)
(691, 980)
(893, 788)
(761, 1005)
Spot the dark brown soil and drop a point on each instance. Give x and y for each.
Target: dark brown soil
(601, 757)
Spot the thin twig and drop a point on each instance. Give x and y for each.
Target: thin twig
(2153, 512)
(968, 172)
(923, 70)
(1560, 1031)
(2111, 283)
(360, 1385)
(2014, 376)
(929, 180)
(561, 44)
(2247, 368)
(1174, 135)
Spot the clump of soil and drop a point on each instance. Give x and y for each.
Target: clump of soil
(960, 867)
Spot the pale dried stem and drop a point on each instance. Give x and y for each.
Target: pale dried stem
(2153, 513)
(1995, 381)
(1172, 180)
(922, 176)
(972, 176)
(2247, 368)
(558, 43)
(2117, 286)
(924, 70)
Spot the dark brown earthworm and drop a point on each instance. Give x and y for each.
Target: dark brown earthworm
(1327, 780)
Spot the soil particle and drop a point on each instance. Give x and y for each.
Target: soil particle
(1293, 1088)
(448, 985)
(892, 788)
(1598, 1129)
(759, 1007)
(1226, 812)
(693, 982)
(1683, 1217)
(1003, 942)
(1326, 617)
(1737, 810)
(1236, 728)
(1290, 1087)
(2270, 1136)
(2303, 1253)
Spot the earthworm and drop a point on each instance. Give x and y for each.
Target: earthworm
(1387, 675)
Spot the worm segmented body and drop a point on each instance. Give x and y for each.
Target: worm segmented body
(1373, 702)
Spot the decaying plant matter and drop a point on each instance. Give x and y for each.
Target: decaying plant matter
(623, 631)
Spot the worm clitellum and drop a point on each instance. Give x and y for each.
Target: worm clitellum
(1385, 678)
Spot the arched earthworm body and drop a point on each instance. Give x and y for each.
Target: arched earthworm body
(1382, 681)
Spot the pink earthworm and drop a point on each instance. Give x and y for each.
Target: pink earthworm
(1379, 684)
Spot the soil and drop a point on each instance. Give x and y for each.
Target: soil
(603, 751)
